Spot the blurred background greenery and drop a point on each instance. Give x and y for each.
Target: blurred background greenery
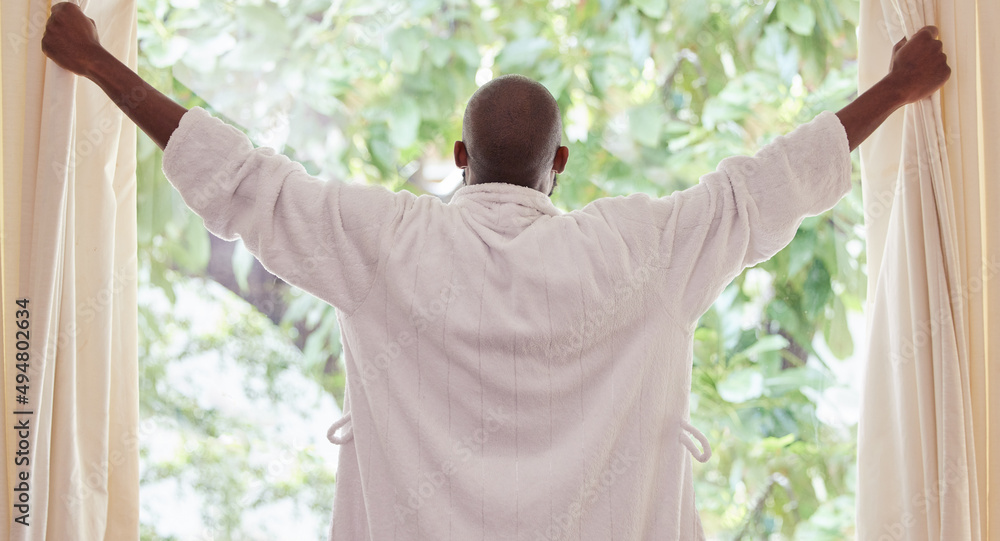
(654, 93)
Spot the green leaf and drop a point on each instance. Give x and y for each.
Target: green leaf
(718, 110)
(817, 289)
(407, 47)
(466, 50)
(145, 199)
(521, 53)
(792, 379)
(557, 82)
(800, 252)
(741, 385)
(261, 22)
(404, 122)
(771, 342)
(318, 344)
(645, 124)
(298, 308)
(655, 9)
(771, 445)
(199, 248)
(421, 8)
(191, 252)
(438, 52)
(157, 275)
(837, 333)
(242, 263)
(797, 16)
(773, 53)
(706, 344)
(695, 14)
(163, 53)
(163, 200)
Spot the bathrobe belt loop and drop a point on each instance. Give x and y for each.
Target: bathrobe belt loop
(702, 456)
(331, 433)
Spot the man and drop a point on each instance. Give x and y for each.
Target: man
(513, 372)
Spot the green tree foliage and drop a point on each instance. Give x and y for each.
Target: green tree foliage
(653, 93)
(231, 433)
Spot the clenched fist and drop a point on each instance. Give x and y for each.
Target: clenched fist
(919, 66)
(70, 38)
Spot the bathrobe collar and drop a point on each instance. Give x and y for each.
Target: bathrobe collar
(495, 195)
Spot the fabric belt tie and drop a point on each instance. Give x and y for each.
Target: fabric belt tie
(689, 430)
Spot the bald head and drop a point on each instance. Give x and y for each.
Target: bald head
(512, 132)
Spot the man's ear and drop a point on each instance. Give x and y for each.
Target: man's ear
(461, 156)
(559, 162)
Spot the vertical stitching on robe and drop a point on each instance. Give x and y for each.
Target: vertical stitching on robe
(579, 363)
(447, 357)
(388, 403)
(517, 452)
(548, 362)
(482, 398)
(613, 335)
(604, 260)
(416, 362)
(383, 238)
(642, 416)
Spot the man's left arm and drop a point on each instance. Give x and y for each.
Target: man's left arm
(751, 206)
(915, 73)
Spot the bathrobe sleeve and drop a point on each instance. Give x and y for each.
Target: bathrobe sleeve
(739, 215)
(325, 237)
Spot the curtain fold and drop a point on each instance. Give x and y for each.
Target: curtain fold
(68, 256)
(933, 255)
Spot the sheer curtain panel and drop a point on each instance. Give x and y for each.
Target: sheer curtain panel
(931, 197)
(68, 296)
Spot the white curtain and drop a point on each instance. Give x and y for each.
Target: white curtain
(932, 213)
(68, 232)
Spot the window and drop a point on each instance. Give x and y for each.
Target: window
(653, 94)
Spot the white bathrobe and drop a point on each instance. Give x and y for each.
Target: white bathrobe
(513, 372)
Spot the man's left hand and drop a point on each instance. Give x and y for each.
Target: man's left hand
(919, 66)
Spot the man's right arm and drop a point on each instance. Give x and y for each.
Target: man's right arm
(71, 41)
(324, 236)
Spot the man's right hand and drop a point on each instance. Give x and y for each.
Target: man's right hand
(919, 66)
(71, 39)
